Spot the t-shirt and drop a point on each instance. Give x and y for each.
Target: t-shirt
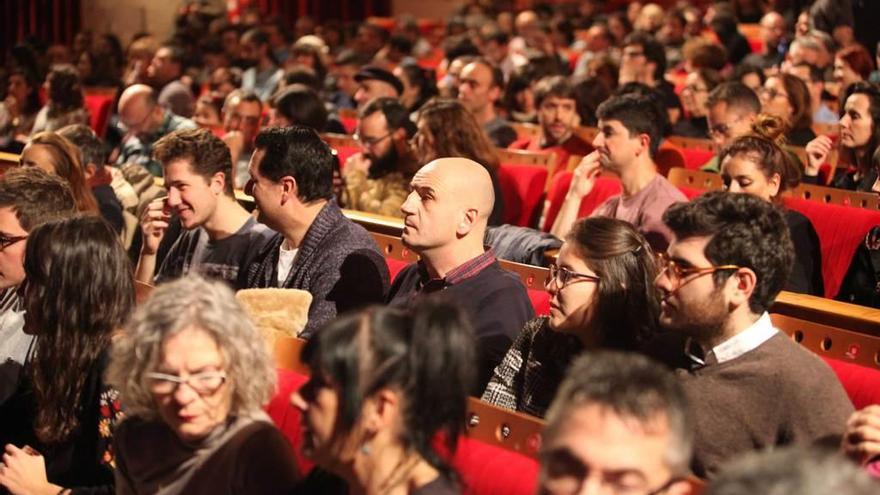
(221, 259)
(285, 262)
(644, 210)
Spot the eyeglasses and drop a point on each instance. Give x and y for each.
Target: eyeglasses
(370, 141)
(205, 383)
(677, 273)
(563, 276)
(723, 129)
(771, 93)
(563, 473)
(694, 89)
(6, 241)
(632, 54)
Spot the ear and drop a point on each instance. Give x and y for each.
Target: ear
(740, 286)
(90, 170)
(644, 144)
(218, 183)
(399, 135)
(381, 411)
(468, 219)
(680, 487)
(289, 189)
(775, 181)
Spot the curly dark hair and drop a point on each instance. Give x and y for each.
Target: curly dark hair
(73, 312)
(745, 231)
(639, 114)
(207, 154)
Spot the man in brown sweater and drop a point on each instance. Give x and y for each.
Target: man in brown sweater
(750, 387)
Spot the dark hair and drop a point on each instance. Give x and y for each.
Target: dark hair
(799, 99)
(35, 196)
(745, 69)
(317, 61)
(394, 111)
(495, 34)
(207, 154)
(65, 163)
(300, 153)
(711, 77)
(704, 53)
(497, 74)
(858, 59)
(745, 231)
(423, 79)
(301, 105)
(243, 96)
(872, 157)
(654, 51)
(459, 46)
(65, 92)
(638, 114)
(626, 303)
(91, 149)
(588, 95)
(736, 95)
(555, 86)
(32, 105)
(632, 386)
(455, 132)
(520, 80)
(74, 312)
(427, 354)
(764, 146)
(300, 74)
(815, 73)
(260, 38)
(176, 54)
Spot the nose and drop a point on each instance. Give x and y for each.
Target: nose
(407, 207)
(359, 95)
(599, 140)
(734, 187)
(174, 197)
(663, 282)
(184, 394)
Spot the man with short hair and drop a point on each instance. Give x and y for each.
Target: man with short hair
(264, 74)
(480, 85)
(145, 122)
(643, 60)
(732, 108)
(773, 31)
(344, 68)
(376, 82)
(377, 178)
(29, 197)
(630, 129)
(445, 218)
(750, 386)
(619, 424)
(220, 237)
(164, 74)
(242, 111)
(495, 47)
(370, 39)
(597, 41)
(557, 114)
(814, 79)
(316, 248)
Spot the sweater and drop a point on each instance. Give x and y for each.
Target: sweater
(776, 394)
(338, 262)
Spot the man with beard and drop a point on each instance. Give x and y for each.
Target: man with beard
(750, 387)
(377, 178)
(557, 114)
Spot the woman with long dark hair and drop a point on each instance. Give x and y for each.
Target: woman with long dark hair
(78, 291)
(601, 296)
(386, 386)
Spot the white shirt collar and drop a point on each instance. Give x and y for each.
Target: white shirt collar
(759, 332)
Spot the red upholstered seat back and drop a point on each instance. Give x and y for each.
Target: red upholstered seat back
(841, 229)
(540, 301)
(696, 158)
(690, 192)
(523, 190)
(286, 417)
(394, 266)
(862, 384)
(604, 188)
(99, 107)
(344, 153)
(349, 123)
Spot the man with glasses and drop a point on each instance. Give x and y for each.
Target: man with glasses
(643, 60)
(377, 178)
(29, 197)
(618, 425)
(145, 122)
(732, 108)
(242, 112)
(445, 218)
(750, 386)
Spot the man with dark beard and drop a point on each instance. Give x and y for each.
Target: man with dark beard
(750, 387)
(377, 178)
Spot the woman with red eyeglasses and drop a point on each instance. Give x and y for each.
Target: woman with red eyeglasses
(601, 295)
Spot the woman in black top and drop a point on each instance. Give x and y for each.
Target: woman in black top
(78, 290)
(758, 165)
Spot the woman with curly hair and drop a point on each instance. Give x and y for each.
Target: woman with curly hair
(58, 426)
(65, 101)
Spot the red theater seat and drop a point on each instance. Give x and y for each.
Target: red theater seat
(690, 192)
(99, 106)
(604, 188)
(841, 229)
(523, 190)
(862, 384)
(695, 158)
(286, 417)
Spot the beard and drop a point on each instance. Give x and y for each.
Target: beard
(703, 321)
(381, 166)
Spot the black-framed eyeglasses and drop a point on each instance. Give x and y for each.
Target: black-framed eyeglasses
(371, 141)
(676, 273)
(771, 93)
(6, 240)
(563, 276)
(204, 383)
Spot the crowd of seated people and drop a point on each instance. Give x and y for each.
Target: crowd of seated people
(219, 169)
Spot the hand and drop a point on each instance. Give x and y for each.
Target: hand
(11, 103)
(24, 472)
(861, 442)
(358, 161)
(154, 222)
(817, 154)
(235, 141)
(585, 174)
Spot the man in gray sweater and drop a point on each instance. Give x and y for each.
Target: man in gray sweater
(750, 387)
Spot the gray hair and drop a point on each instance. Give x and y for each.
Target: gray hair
(192, 302)
(633, 386)
(792, 471)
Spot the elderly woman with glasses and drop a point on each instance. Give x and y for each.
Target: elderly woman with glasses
(193, 373)
(601, 296)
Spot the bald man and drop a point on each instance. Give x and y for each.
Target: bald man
(144, 121)
(445, 218)
(773, 32)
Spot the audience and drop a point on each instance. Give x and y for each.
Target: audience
(220, 237)
(212, 434)
(698, 85)
(732, 107)
(601, 296)
(58, 426)
(480, 86)
(376, 82)
(242, 115)
(773, 38)
(64, 103)
(815, 81)
(164, 75)
(315, 248)
(19, 109)
(386, 401)
(418, 85)
(445, 219)
(732, 358)
(851, 65)
(787, 97)
(643, 60)
(55, 154)
(264, 74)
(630, 128)
(619, 424)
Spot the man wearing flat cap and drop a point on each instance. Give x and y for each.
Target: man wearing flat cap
(376, 82)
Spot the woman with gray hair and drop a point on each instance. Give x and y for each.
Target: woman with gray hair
(193, 374)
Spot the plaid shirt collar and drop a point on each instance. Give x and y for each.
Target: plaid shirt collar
(458, 274)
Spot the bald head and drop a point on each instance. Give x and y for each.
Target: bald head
(136, 95)
(139, 110)
(469, 183)
(772, 28)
